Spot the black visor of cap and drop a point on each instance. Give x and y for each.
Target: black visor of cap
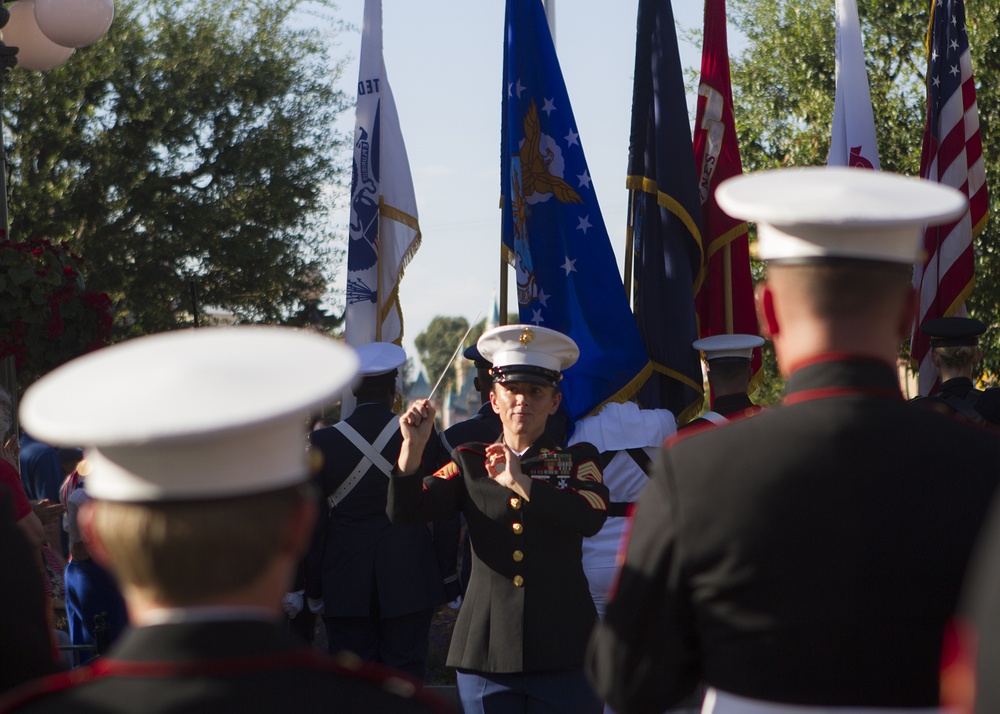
(526, 373)
(953, 331)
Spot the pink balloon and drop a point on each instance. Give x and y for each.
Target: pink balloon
(74, 23)
(35, 50)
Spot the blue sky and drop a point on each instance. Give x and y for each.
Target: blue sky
(444, 63)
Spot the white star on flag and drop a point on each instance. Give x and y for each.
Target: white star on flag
(549, 107)
(536, 316)
(584, 179)
(569, 266)
(572, 138)
(543, 298)
(584, 224)
(519, 88)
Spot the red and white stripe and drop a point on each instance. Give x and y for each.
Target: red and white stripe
(953, 157)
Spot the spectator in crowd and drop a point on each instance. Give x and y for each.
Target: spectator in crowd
(41, 470)
(41, 476)
(26, 645)
(95, 610)
(24, 515)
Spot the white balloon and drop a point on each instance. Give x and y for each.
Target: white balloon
(74, 23)
(35, 50)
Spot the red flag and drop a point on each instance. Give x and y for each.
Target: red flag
(952, 155)
(725, 301)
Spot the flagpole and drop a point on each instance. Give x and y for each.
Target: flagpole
(727, 286)
(378, 267)
(550, 15)
(629, 245)
(502, 317)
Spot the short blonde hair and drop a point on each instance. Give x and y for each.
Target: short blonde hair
(958, 356)
(189, 552)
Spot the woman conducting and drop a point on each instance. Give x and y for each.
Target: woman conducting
(519, 641)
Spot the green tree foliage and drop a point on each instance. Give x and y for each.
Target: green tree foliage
(437, 344)
(784, 87)
(193, 144)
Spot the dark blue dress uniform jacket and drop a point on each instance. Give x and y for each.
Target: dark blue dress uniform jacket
(527, 607)
(243, 666)
(731, 406)
(811, 555)
(483, 427)
(959, 396)
(359, 548)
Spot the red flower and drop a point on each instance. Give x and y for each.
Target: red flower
(48, 319)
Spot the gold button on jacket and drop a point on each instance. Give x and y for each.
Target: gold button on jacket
(518, 581)
(518, 556)
(517, 528)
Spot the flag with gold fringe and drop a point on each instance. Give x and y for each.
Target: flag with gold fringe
(553, 230)
(665, 216)
(725, 303)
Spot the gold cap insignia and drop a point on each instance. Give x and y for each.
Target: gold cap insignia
(527, 335)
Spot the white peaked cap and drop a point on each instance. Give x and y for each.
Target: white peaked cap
(718, 346)
(379, 358)
(527, 353)
(838, 212)
(193, 414)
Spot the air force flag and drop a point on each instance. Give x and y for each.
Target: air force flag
(553, 231)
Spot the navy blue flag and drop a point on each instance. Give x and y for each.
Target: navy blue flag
(665, 216)
(553, 231)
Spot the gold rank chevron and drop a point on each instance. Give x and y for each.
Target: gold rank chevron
(588, 471)
(595, 501)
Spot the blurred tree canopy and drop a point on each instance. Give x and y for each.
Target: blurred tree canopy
(437, 344)
(189, 152)
(784, 86)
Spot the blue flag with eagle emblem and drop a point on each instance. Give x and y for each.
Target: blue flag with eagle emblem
(553, 231)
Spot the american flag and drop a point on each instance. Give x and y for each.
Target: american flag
(952, 155)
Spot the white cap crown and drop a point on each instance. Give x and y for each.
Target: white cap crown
(527, 353)
(838, 212)
(191, 414)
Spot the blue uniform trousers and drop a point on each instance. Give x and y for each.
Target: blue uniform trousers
(557, 692)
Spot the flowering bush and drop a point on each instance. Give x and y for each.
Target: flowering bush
(47, 317)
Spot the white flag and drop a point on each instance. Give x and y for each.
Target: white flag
(853, 140)
(384, 233)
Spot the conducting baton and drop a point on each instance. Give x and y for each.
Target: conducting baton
(453, 356)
